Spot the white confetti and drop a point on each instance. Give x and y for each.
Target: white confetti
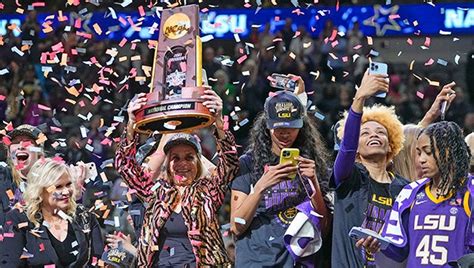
(239, 220)
(4, 71)
(207, 38)
(456, 59)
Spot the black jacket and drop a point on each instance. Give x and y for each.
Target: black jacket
(38, 245)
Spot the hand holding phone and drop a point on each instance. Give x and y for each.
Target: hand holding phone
(282, 81)
(357, 233)
(379, 68)
(290, 155)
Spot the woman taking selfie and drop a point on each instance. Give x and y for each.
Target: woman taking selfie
(180, 226)
(365, 190)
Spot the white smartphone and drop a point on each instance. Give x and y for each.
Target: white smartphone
(379, 68)
(357, 233)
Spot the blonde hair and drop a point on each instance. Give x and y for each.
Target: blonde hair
(44, 174)
(385, 116)
(404, 163)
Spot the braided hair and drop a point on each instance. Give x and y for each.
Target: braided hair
(308, 141)
(453, 155)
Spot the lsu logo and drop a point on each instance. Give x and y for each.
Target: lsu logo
(435, 222)
(387, 201)
(284, 115)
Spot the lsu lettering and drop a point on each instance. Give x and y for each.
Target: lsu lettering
(387, 201)
(435, 222)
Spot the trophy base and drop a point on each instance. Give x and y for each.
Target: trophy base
(175, 115)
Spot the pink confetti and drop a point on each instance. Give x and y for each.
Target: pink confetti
(123, 21)
(333, 35)
(427, 42)
(2, 97)
(6, 140)
(77, 23)
(409, 41)
(44, 107)
(420, 95)
(429, 62)
(56, 129)
(141, 11)
(123, 42)
(394, 16)
(242, 59)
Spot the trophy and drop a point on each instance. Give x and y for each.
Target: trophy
(173, 103)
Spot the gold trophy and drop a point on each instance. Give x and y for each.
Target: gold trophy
(173, 103)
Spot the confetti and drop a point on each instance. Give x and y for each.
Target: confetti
(420, 95)
(456, 59)
(239, 220)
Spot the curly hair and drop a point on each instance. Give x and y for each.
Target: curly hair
(385, 116)
(44, 174)
(308, 141)
(452, 157)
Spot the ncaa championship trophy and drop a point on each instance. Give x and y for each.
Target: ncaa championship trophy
(173, 104)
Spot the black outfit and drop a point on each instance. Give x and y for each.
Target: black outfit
(6, 184)
(66, 250)
(41, 248)
(176, 250)
(351, 207)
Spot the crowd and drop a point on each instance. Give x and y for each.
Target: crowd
(164, 201)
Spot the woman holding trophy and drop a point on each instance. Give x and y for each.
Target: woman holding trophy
(180, 226)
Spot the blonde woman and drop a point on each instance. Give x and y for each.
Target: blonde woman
(51, 228)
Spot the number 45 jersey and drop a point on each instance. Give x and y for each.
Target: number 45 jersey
(437, 228)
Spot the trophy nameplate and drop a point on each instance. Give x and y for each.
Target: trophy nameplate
(174, 103)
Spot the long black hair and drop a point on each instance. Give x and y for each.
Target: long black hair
(308, 141)
(453, 155)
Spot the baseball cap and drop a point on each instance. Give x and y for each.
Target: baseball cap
(183, 138)
(284, 110)
(25, 130)
(466, 261)
(118, 257)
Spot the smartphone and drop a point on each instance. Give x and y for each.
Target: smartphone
(379, 68)
(290, 155)
(357, 233)
(283, 82)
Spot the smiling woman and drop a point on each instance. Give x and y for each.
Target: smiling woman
(365, 190)
(184, 199)
(52, 229)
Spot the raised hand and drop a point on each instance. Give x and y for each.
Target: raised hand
(135, 104)
(447, 94)
(213, 102)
